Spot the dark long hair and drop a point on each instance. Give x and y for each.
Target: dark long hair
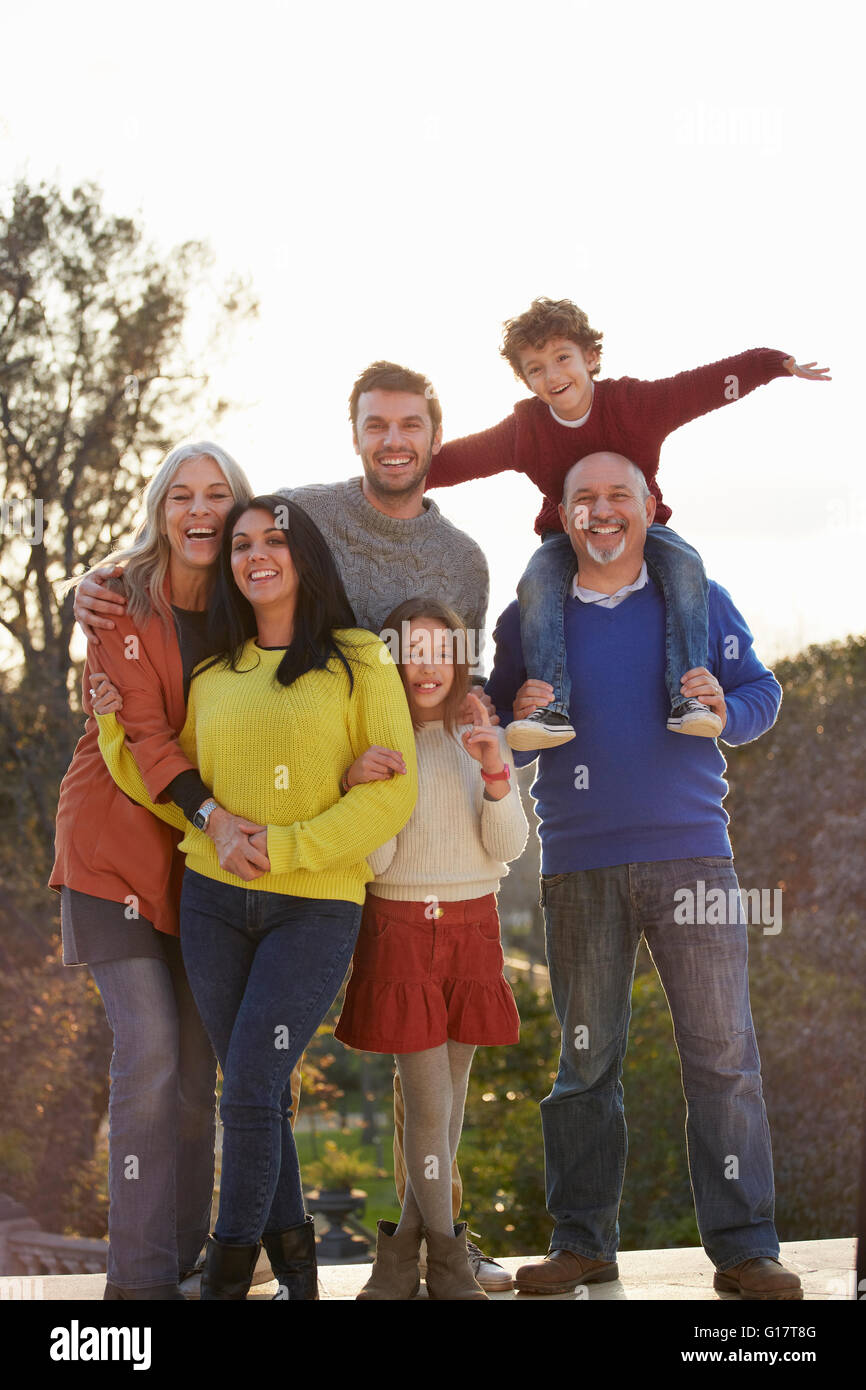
(321, 606)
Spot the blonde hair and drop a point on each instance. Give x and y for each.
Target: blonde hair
(147, 556)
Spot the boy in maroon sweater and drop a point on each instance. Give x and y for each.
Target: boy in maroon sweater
(554, 351)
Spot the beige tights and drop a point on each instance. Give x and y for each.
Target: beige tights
(434, 1095)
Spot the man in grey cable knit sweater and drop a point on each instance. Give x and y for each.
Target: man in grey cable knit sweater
(391, 542)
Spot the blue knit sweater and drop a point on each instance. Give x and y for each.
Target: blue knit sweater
(625, 790)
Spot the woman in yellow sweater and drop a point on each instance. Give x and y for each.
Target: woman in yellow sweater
(297, 695)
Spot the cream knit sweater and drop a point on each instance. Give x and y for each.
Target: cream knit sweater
(456, 843)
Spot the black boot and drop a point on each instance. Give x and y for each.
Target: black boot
(292, 1254)
(165, 1292)
(228, 1270)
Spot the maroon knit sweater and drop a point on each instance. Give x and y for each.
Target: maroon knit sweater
(627, 416)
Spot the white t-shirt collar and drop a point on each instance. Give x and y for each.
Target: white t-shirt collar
(574, 424)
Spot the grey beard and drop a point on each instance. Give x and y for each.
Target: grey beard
(605, 557)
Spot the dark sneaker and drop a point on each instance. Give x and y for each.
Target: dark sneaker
(543, 729)
(692, 717)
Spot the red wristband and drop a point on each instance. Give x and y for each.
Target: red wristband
(503, 776)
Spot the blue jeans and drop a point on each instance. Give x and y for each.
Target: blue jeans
(676, 569)
(594, 919)
(264, 969)
(161, 1115)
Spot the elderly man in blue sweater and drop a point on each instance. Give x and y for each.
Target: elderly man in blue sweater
(634, 841)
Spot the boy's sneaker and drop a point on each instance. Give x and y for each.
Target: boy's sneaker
(489, 1273)
(692, 717)
(543, 729)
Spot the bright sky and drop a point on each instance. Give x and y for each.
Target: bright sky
(397, 179)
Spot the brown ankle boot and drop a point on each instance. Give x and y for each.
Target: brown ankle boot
(449, 1273)
(395, 1274)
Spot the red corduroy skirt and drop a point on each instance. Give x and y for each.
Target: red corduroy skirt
(418, 980)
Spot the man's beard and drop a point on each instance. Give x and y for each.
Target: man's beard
(605, 557)
(409, 485)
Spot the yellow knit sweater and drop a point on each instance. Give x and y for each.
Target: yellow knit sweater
(275, 755)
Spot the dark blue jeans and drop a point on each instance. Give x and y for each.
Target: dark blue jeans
(594, 920)
(162, 1119)
(264, 969)
(676, 569)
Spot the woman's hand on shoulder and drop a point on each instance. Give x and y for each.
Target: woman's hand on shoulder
(94, 596)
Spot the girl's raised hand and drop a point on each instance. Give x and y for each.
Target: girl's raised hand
(482, 740)
(467, 712)
(105, 698)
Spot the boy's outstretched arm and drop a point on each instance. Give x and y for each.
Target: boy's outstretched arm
(475, 456)
(673, 401)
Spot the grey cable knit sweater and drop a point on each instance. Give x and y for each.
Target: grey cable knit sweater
(384, 560)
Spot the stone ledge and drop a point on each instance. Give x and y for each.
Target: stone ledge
(826, 1267)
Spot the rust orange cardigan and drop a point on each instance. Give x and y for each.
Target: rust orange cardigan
(105, 844)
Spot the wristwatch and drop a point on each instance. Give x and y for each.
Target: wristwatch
(204, 813)
(503, 776)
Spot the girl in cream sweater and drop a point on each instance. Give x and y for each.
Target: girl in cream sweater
(427, 981)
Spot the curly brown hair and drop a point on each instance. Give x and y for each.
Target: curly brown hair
(389, 376)
(543, 320)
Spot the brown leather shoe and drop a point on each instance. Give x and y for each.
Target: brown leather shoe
(759, 1278)
(561, 1271)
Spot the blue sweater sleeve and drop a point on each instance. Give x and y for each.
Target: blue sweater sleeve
(508, 673)
(752, 693)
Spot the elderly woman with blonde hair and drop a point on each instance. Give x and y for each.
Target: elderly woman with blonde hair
(119, 878)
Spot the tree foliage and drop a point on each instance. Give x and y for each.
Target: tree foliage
(95, 383)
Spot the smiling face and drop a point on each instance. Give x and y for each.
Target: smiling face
(396, 441)
(559, 374)
(262, 563)
(194, 512)
(428, 675)
(604, 513)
